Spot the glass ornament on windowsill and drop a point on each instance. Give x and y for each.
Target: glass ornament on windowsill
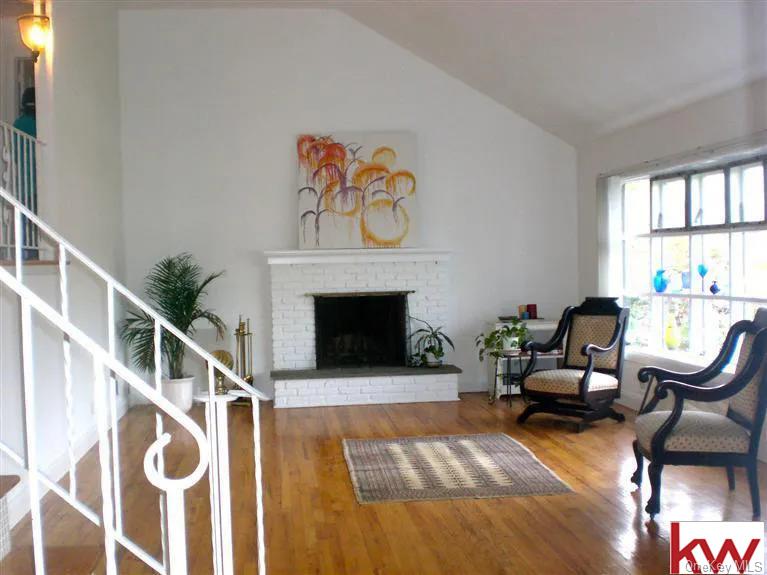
(714, 288)
(672, 337)
(660, 281)
(702, 271)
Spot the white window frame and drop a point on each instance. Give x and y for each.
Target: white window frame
(656, 347)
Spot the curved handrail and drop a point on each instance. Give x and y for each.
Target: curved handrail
(119, 368)
(134, 299)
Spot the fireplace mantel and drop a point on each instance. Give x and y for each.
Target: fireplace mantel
(289, 257)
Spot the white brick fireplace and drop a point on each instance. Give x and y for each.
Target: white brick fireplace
(296, 276)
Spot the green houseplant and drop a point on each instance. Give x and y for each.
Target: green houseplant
(510, 335)
(429, 344)
(175, 288)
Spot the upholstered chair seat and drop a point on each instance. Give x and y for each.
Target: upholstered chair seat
(567, 381)
(696, 431)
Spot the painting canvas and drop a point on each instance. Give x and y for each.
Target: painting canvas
(357, 190)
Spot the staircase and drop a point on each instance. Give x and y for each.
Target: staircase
(24, 230)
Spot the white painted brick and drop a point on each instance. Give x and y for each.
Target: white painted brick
(359, 391)
(293, 312)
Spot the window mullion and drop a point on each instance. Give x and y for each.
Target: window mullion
(687, 201)
(764, 187)
(727, 216)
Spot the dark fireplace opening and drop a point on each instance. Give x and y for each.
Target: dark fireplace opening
(361, 330)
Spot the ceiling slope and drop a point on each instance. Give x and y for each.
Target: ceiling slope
(583, 69)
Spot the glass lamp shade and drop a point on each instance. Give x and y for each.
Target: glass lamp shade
(35, 30)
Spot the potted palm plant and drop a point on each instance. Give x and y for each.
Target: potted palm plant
(429, 344)
(175, 288)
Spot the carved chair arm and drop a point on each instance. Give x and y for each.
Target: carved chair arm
(536, 347)
(694, 392)
(661, 374)
(707, 373)
(696, 378)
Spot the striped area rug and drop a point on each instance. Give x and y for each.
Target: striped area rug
(446, 467)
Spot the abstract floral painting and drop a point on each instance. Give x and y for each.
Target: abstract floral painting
(356, 190)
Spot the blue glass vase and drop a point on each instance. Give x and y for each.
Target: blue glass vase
(660, 281)
(714, 288)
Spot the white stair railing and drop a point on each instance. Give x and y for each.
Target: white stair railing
(19, 153)
(212, 445)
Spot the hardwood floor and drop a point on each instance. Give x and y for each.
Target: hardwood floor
(314, 524)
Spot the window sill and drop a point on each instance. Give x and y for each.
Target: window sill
(670, 360)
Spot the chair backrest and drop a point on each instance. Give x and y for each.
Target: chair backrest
(744, 407)
(595, 321)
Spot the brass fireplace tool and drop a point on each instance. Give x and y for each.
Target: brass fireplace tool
(226, 358)
(244, 351)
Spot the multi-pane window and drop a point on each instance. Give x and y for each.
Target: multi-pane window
(694, 256)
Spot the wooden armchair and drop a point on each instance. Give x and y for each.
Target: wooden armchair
(590, 377)
(689, 437)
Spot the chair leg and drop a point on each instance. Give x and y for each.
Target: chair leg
(616, 415)
(529, 410)
(653, 505)
(637, 477)
(731, 477)
(753, 484)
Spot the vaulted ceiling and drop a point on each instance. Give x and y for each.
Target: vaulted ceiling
(577, 68)
(585, 68)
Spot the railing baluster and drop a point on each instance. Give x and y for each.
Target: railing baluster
(107, 510)
(158, 433)
(259, 487)
(216, 407)
(14, 167)
(220, 409)
(17, 241)
(111, 336)
(5, 179)
(215, 510)
(28, 365)
(21, 163)
(35, 239)
(176, 532)
(67, 350)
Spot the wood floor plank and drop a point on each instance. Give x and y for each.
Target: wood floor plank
(315, 525)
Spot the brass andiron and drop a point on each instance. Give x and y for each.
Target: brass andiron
(226, 358)
(244, 351)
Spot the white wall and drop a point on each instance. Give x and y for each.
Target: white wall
(212, 101)
(79, 194)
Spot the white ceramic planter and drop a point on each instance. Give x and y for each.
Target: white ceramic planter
(432, 361)
(179, 392)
